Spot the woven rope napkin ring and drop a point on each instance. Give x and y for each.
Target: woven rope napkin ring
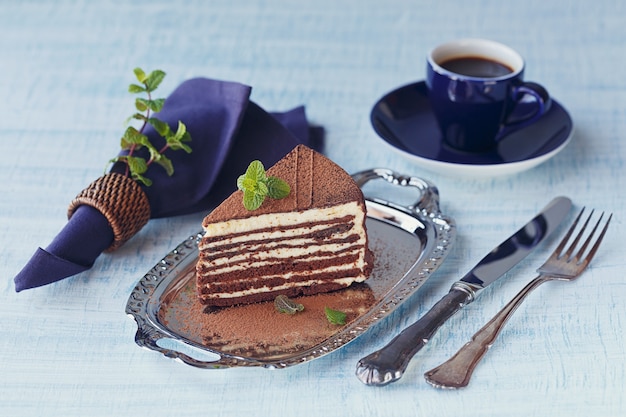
(121, 200)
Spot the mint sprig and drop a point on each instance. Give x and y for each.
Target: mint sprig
(134, 139)
(256, 186)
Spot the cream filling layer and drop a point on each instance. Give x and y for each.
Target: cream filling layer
(225, 268)
(282, 235)
(288, 275)
(243, 293)
(284, 219)
(299, 248)
(215, 248)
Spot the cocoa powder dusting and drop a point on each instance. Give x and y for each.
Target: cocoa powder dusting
(259, 330)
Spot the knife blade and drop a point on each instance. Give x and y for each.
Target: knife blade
(389, 363)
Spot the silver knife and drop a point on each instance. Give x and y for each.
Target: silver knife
(389, 363)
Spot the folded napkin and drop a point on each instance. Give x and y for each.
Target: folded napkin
(228, 131)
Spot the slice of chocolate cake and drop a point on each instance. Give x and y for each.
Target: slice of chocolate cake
(312, 241)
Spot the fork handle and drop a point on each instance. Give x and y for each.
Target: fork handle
(457, 371)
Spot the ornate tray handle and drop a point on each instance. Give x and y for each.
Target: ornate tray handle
(429, 194)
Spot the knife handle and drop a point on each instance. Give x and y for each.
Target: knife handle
(389, 363)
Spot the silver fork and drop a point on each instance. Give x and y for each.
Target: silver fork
(564, 266)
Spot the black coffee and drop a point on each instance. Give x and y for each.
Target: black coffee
(476, 67)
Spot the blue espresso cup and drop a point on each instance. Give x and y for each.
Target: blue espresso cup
(478, 95)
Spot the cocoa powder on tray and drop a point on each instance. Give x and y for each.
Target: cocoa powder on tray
(259, 330)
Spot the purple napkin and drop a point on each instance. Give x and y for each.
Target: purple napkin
(228, 131)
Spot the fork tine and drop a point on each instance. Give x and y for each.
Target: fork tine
(588, 240)
(570, 250)
(596, 245)
(559, 249)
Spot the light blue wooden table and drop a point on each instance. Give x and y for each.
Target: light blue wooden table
(67, 349)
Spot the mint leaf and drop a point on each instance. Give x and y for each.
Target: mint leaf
(283, 304)
(138, 116)
(186, 137)
(261, 188)
(132, 137)
(141, 76)
(166, 163)
(175, 141)
(134, 89)
(245, 184)
(162, 128)
(154, 80)
(256, 171)
(140, 178)
(155, 155)
(181, 131)
(156, 105)
(240, 182)
(335, 316)
(141, 104)
(277, 188)
(178, 145)
(252, 200)
(136, 165)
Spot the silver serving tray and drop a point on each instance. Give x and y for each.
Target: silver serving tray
(409, 243)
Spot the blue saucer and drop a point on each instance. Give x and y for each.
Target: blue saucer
(404, 120)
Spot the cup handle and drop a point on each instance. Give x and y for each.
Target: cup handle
(541, 104)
